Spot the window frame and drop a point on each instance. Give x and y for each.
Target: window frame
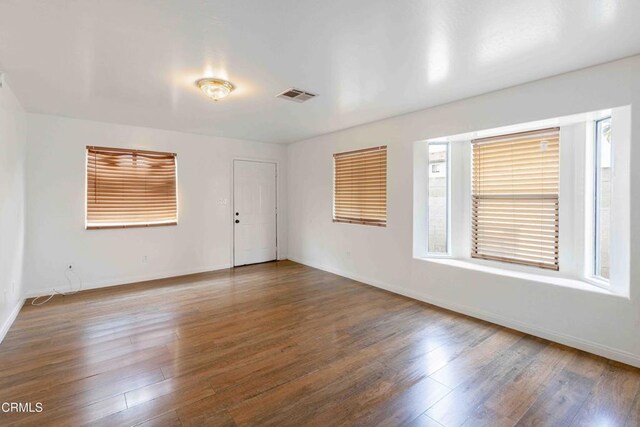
(354, 220)
(447, 253)
(115, 225)
(533, 265)
(596, 198)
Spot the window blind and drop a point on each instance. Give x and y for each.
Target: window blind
(515, 198)
(130, 188)
(360, 186)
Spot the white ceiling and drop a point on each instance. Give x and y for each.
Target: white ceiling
(135, 61)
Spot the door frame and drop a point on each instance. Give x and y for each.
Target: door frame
(232, 202)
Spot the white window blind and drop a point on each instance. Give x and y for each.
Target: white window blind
(515, 198)
(130, 188)
(360, 186)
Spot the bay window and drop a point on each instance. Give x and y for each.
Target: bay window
(546, 199)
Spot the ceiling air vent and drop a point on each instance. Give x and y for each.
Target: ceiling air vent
(296, 95)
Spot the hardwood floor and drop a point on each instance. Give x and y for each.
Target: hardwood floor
(284, 344)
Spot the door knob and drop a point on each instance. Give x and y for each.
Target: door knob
(237, 213)
(237, 221)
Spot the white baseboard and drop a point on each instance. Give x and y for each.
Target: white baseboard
(129, 280)
(559, 337)
(12, 317)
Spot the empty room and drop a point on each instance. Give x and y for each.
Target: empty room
(320, 213)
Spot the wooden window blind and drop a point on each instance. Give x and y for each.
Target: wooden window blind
(130, 188)
(515, 198)
(360, 186)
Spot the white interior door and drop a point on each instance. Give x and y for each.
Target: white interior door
(254, 212)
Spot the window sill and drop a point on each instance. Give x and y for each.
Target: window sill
(358, 222)
(567, 282)
(141, 225)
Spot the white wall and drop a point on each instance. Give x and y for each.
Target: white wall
(594, 321)
(202, 241)
(12, 206)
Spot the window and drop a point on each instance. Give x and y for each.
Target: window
(602, 198)
(438, 198)
(515, 185)
(360, 186)
(535, 198)
(130, 188)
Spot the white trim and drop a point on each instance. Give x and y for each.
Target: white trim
(568, 340)
(131, 280)
(601, 283)
(12, 318)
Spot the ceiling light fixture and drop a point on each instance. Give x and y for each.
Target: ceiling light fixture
(215, 88)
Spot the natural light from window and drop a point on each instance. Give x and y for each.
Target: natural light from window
(438, 201)
(546, 199)
(602, 198)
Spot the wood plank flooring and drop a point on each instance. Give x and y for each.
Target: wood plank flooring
(285, 344)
